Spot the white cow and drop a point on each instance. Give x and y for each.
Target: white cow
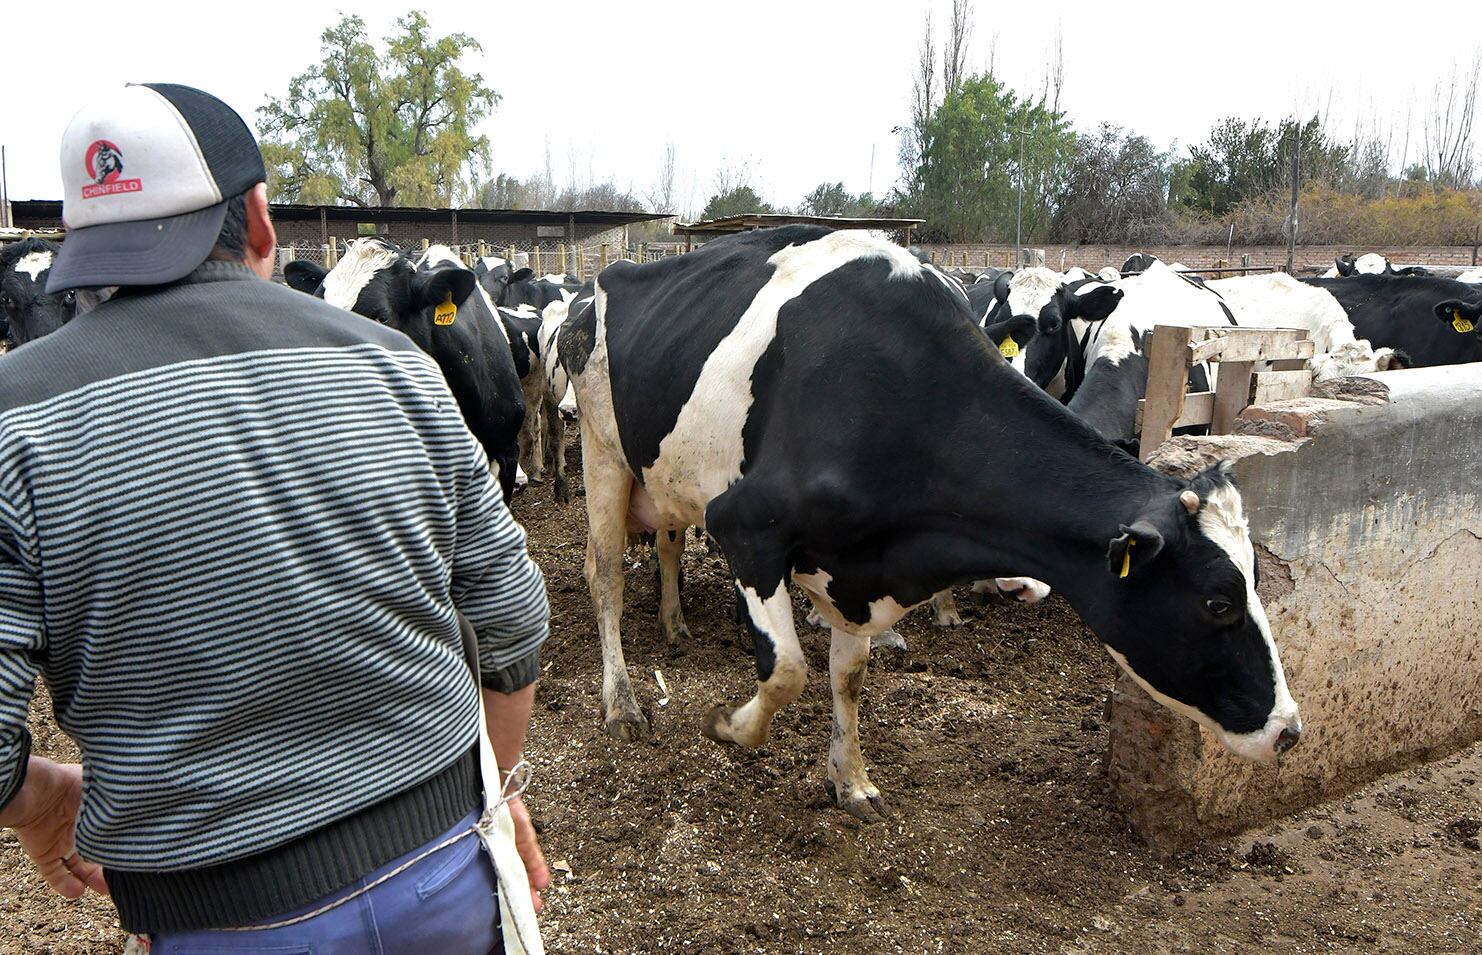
(1276, 300)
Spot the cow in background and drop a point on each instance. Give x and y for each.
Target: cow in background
(27, 311)
(438, 304)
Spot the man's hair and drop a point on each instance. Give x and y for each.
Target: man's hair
(231, 243)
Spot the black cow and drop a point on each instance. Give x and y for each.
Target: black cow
(1412, 315)
(827, 408)
(496, 275)
(438, 306)
(26, 310)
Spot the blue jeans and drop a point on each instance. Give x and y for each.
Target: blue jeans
(446, 904)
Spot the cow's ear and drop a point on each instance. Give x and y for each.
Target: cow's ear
(304, 276)
(1463, 317)
(520, 275)
(430, 289)
(1092, 306)
(1133, 549)
(1001, 286)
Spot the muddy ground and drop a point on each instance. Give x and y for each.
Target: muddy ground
(988, 743)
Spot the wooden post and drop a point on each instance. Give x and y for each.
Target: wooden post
(1291, 239)
(1168, 378)
(603, 259)
(577, 255)
(931, 257)
(688, 238)
(425, 244)
(483, 248)
(510, 257)
(561, 251)
(985, 258)
(535, 259)
(1231, 395)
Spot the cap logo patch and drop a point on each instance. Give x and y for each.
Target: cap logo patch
(105, 167)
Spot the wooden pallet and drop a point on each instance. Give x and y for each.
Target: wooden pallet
(1173, 350)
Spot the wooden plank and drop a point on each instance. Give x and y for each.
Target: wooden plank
(1231, 395)
(1262, 344)
(1168, 377)
(1205, 350)
(1198, 410)
(1289, 364)
(1281, 385)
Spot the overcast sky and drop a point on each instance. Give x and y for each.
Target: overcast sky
(796, 91)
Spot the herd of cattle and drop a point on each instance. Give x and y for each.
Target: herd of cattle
(839, 415)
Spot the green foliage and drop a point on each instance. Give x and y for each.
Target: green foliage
(832, 199)
(1245, 160)
(965, 183)
(378, 128)
(736, 201)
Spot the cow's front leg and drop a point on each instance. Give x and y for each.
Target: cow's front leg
(670, 545)
(781, 671)
(847, 659)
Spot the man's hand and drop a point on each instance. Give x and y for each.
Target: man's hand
(529, 846)
(44, 816)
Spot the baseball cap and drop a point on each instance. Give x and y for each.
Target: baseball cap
(147, 171)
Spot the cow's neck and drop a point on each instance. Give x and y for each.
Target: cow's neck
(1044, 505)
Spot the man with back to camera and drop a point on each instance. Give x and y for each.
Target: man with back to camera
(238, 529)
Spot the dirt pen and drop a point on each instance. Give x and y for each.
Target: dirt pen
(1009, 762)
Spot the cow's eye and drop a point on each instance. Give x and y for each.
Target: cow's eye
(6, 301)
(1219, 606)
(70, 299)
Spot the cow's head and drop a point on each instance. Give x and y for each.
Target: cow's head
(1465, 318)
(1179, 612)
(1356, 358)
(496, 276)
(376, 279)
(27, 312)
(1138, 262)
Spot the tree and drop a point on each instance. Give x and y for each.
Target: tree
(832, 199)
(1243, 160)
(1115, 189)
(736, 201)
(965, 183)
(378, 128)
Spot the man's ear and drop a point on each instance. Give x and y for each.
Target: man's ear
(262, 239)
(1133, 549)
(430, 289)
(1463, 317)
(304, 276)
(1092, 306)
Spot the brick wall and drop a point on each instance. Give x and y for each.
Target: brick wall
(1309, 258)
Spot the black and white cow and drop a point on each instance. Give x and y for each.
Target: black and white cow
(439, 306)
(828, 410)
(27, 312)
(495, 276)
(1416, 315)
(1370, 263)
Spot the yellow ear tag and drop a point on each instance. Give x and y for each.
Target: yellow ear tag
(445, 312)
(1009, 348)
(1127, 559)
(1462, 325)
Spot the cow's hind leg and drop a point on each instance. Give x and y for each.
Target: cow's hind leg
(781, 671)
(670, 546)
(608, 485)
(555, 446)
(944, 610)
(853, 791)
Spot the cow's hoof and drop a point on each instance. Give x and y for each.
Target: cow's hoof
(864, 806)
(887, 639)
(716, 720)
(678, 635)
(563, 492)
(630, 727)
(947, 621)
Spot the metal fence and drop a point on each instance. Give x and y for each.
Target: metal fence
(583, 261)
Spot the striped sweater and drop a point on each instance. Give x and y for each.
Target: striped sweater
(236, 527)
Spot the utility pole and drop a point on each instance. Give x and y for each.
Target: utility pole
(1291, 239)
(1019, 212)
(871, 189)
(5, 222)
